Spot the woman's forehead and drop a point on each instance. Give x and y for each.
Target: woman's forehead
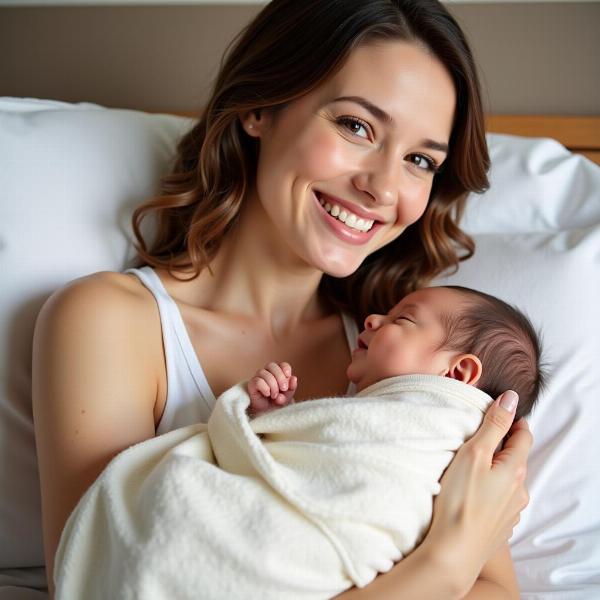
(402, 79)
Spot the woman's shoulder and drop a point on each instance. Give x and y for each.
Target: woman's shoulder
(106, 322)
(102, 292)
(110, 283)
(106, 307)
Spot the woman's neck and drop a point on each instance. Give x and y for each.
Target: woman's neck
(256, 275)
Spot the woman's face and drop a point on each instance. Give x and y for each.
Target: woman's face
(345, 169)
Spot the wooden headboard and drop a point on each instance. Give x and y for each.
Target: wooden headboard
(578, 134)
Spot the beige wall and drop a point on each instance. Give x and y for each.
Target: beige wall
(536, 57)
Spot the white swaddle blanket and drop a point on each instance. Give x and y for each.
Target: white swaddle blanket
(301, 502)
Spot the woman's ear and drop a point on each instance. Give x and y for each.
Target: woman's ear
(253, 122)
(466, 368)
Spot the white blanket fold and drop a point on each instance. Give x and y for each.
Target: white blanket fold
(301, 502)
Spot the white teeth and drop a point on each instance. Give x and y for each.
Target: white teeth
(350, 219)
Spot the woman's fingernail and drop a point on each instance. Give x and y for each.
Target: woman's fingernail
(509, 400)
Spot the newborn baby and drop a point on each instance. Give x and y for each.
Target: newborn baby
(449, 331)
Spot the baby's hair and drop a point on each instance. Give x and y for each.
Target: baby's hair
(505, 342)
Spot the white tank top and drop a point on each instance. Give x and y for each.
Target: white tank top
(189, 396)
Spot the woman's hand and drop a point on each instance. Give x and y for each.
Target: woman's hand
(482, 493)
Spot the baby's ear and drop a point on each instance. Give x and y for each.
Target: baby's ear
(466, 368)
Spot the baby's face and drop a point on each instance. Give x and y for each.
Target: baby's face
(405, 341)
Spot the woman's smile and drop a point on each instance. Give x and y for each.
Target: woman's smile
(347, 224)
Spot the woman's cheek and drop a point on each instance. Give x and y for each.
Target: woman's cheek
(412, 203)
(325, 157)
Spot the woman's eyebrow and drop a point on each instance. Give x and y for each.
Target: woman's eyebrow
(385, 117)
(377, 112)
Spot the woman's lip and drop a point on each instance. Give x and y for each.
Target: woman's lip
(357, 210)
(342, 231)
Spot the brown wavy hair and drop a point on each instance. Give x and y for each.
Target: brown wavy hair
(289, 49)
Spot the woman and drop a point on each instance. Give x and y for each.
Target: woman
(325, 175)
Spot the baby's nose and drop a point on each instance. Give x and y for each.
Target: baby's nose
(373, 321)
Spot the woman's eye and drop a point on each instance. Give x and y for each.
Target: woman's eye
(354, 126)
(424, 162)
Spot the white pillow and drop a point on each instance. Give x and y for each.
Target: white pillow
(70, 177)
(77, 171)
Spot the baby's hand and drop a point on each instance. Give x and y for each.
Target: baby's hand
(271, 387)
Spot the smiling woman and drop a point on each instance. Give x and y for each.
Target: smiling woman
(351, 117)
(326, 176)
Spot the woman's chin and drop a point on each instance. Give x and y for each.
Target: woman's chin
(338, 273)
(340, 268)
(329, 254)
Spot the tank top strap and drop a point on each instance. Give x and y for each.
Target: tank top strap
(351, 330)
(189, 396)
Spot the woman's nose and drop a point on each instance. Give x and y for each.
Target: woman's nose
(381, 179)
(373, 322)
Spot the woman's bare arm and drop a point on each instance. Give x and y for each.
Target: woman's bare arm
(481, 498)
(497, 580)
(422, 575)
(93, 390)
